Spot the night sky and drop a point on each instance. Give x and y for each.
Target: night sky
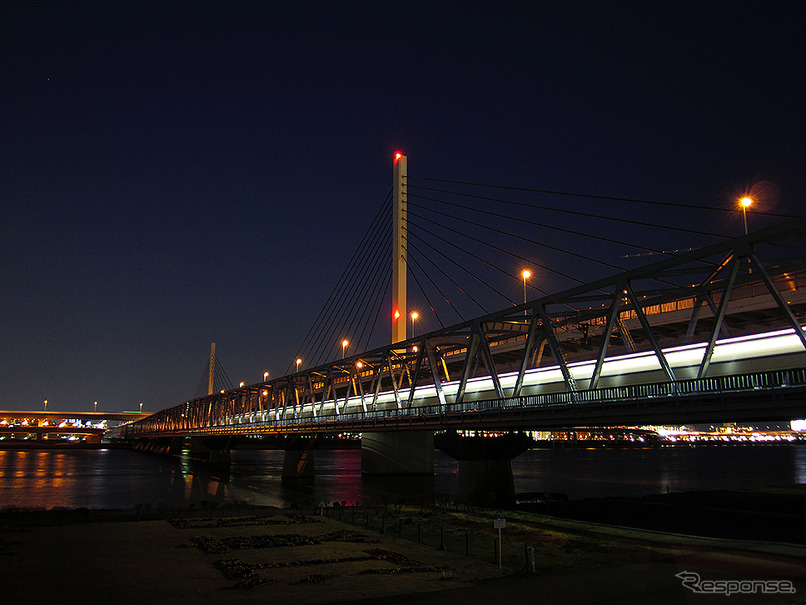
(175, 174)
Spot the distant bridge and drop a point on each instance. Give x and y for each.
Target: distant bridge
(19, 427)
(55, 417)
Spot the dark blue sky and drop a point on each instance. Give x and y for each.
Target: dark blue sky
(176, 174)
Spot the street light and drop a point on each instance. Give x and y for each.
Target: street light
(344, 344)
(141, 407)
(95, 407)
(526, 274)
(46, 405)
(299, 361)
(745, 202)
(265, 376)
(414, 316)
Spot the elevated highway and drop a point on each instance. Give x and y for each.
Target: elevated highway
(44, 429)
(56, 417)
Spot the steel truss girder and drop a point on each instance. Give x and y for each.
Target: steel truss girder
(793, 322)
(664, 364)
(535, 326)
(465, 345)
(611, 321)
(720, 316)
(556, 352)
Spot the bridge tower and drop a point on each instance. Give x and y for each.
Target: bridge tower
(213, 450)
(399, 268)
(406, 452)
(211, 375)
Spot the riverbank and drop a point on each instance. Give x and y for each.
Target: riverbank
(246, 556)
(774, 513)
(394, 553)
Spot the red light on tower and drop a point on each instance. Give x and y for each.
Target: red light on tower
(396, 314)
(398, 155)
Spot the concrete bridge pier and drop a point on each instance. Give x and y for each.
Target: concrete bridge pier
(398, 453)
(214, 450)
(299, 457)
(484, 473)
(162, 446)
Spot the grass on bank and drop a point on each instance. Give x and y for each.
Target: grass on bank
(557, 545)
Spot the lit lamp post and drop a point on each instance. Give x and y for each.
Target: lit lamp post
(526, 274)
(46, 405)
(95, 407)
(299, 361)
(746, 202)
(344, 344)
(265, 376)
(141, 407)
(414, 316)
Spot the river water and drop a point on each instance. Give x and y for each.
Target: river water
(125, 479)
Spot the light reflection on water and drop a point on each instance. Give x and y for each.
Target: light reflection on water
(124, 479)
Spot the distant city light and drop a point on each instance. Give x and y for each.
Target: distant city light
(799, 426)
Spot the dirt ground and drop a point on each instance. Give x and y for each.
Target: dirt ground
(291, 557)
(162, 562)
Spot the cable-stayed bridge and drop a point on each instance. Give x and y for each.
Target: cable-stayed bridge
(712, 334)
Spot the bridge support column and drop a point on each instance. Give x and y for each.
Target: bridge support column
(299, 459)
(215, 450)
(162, 446)
(398, 453)
(175, 446)
(484, 474)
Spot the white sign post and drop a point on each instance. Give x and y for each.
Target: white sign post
(499, 524)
